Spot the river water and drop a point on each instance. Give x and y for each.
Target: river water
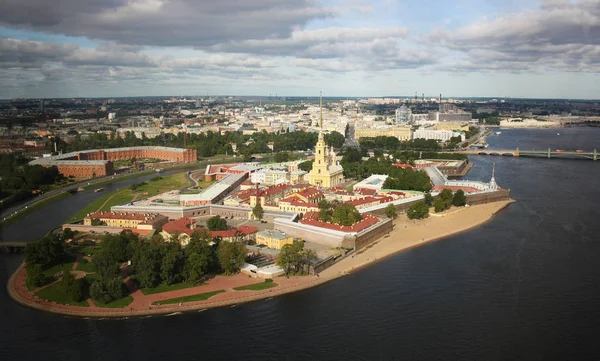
(524, 286)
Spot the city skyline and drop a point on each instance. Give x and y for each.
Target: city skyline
(518, 49)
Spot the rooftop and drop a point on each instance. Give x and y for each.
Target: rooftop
(180, 225)
(273, 234)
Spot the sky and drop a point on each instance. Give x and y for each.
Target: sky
(354, 48)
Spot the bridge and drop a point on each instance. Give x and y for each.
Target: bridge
(12, 246)
(533, 153)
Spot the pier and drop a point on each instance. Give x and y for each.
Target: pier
(593, 155)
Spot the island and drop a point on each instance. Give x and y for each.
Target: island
(239, 232)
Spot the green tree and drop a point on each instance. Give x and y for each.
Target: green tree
(231, 256)
(68, 234)
(172, 262)
(459, 200)
(146, 262)
(446, 199)
(48, 250)
(290, 257)
(345, 214)
(428, 199)
(335, 139)
(390, 211)
(98, 293)
(439, 205)
(35, 275)
(306, 165)
(198, 256)
(258, 211)
(418, 210)
(74, 288)
(216, 223)
(97, 222)
(308, 257)
(115, 288)
(106, 265)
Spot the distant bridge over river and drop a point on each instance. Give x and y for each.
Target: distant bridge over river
(12, 246)
(533, 153)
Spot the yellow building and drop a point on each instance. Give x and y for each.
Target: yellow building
(325, 171)
(400, 132)
(126, 220)
(273, 239)
(451, 126)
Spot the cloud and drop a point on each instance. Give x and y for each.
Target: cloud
(559, 35)
(197, 23)
(321, 43)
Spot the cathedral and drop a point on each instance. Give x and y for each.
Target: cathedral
(325, 172)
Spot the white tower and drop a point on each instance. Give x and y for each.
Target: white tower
(493, 185)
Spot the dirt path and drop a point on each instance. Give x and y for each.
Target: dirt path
(109, 198)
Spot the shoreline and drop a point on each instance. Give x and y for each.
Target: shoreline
(413, 234)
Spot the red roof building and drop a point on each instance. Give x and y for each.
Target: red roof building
(311, 219)
(183, 225)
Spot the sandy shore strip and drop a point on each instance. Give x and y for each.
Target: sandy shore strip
(405, 235)
(412, 233)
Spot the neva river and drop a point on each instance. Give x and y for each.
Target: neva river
(524, 286)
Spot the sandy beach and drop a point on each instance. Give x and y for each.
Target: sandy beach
(411, 233)
(405, 235)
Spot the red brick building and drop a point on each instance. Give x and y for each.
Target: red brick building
(98, 162)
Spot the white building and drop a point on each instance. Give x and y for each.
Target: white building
(375, 182)
(441, 135)
(269, 177)
(112, 116)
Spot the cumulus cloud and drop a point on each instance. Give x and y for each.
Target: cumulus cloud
(329, 42)
(558, 35)
(163, 22)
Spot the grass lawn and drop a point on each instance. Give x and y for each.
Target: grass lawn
(152, 188)
(55, 293)
(31, 287)
(120, 303)
(165, 288)
(257, 286)
(117, 178)
(89, 250)
(192, 298)
(90, 277)
(120, 197)
(50, 272)
(92, 207)
(86, 267)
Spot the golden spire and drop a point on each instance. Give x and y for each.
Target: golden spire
(321, 109)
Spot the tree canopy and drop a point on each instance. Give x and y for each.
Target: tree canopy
(216, 223)
(418, 210)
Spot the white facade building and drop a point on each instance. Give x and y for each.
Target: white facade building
(441, 135)
(375, 182)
